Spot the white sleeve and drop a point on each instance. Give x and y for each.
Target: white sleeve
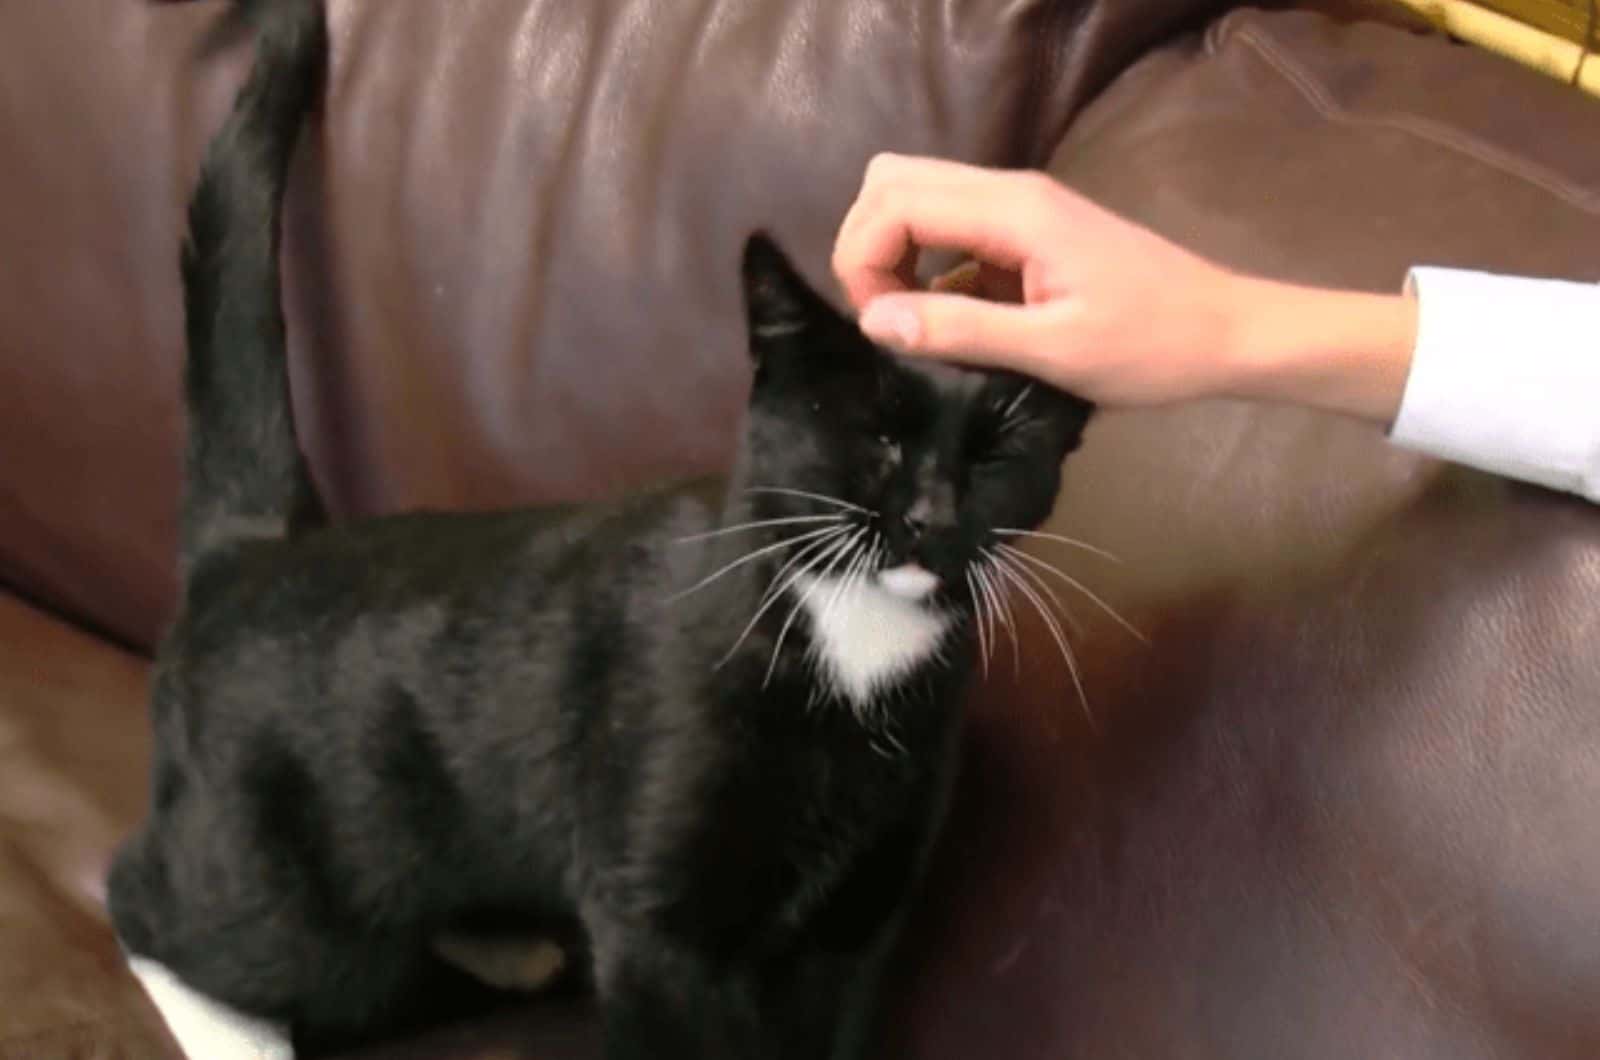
(1506, 377)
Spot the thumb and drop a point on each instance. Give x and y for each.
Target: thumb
(955, 326)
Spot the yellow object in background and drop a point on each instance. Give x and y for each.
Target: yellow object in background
(1568, 19)
(1526, 44)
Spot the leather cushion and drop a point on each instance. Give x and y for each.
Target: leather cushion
(1344, 803)
(73, 754)
(512, 242)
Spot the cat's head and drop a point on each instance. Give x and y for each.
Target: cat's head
(927, 464)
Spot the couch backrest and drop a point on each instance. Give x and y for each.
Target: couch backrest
(511, 245)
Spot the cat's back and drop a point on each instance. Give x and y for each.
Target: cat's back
(457, 561)
(441, 606)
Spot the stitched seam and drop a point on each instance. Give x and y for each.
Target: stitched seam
(1422, 128)
(1219, 31)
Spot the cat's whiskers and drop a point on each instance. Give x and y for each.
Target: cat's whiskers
(776, 585)
(874, 559)
(1060, 539)
(1045, 587)
(875, 554)
(1006, 569)
(978, 611)
(748, 557)
(1000, 607)
(833, 599)
(1000, 617)
(786, 491)
(1076, 584)
(851, 545)
(1016, 403)
(819, 552)
(758, 525)
(851, 580)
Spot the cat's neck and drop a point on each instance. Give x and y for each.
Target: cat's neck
(865, 643)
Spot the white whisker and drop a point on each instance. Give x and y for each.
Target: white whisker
(1000, 618)
(1001, 603)
(874, 560)
(757, 554)
(1045, 587)
(854, 575)
(862, 555)
(978, 619)
(988, 610)
(805, 594)
(818, 551)
(807, 494)
(1016, 403)
(773, 584)
(1055, 630)
(1076, 584)
(1061, 539)
(757, 525)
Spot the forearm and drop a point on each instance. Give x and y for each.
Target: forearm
(1495, 372)
(1337, 351)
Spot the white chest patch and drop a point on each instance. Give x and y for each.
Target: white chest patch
(866, 637)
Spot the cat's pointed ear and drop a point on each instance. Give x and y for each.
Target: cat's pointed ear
(1068, 414)
(779, 305)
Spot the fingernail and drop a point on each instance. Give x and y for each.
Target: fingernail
(890, 321)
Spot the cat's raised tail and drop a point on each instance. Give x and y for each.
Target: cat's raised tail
(245, 475)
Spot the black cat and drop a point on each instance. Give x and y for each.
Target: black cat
(702, 738)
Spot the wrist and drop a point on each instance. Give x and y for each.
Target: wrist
(1347, 352)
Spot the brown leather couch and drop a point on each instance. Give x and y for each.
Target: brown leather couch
(1345, 803)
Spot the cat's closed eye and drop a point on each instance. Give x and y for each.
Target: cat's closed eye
(893, 453)
(991, 442)
(996, 435)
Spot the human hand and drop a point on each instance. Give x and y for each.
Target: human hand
(1103, 307)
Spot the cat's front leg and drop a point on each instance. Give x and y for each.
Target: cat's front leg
(661, 1000)
(823, 1004)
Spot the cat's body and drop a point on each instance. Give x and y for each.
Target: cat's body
(427, 725)
(716, 791)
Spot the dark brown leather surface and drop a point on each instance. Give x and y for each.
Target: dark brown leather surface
(1352, 814)
(1347, 802)
(512, 244)
(1343, 804)
(73, 752)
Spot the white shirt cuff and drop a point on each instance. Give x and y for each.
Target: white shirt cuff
(1506, 377)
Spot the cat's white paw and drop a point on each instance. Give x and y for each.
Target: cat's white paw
(207, 1029)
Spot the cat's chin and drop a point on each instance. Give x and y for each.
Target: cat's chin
(909, 581)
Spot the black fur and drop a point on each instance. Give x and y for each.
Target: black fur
(371, 735)
(245, 476)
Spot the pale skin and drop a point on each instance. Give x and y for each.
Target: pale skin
(1070, 293)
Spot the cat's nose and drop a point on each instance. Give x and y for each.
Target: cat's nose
(916, 518)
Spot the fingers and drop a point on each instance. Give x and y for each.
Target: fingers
(910, 203)
(956, 327)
